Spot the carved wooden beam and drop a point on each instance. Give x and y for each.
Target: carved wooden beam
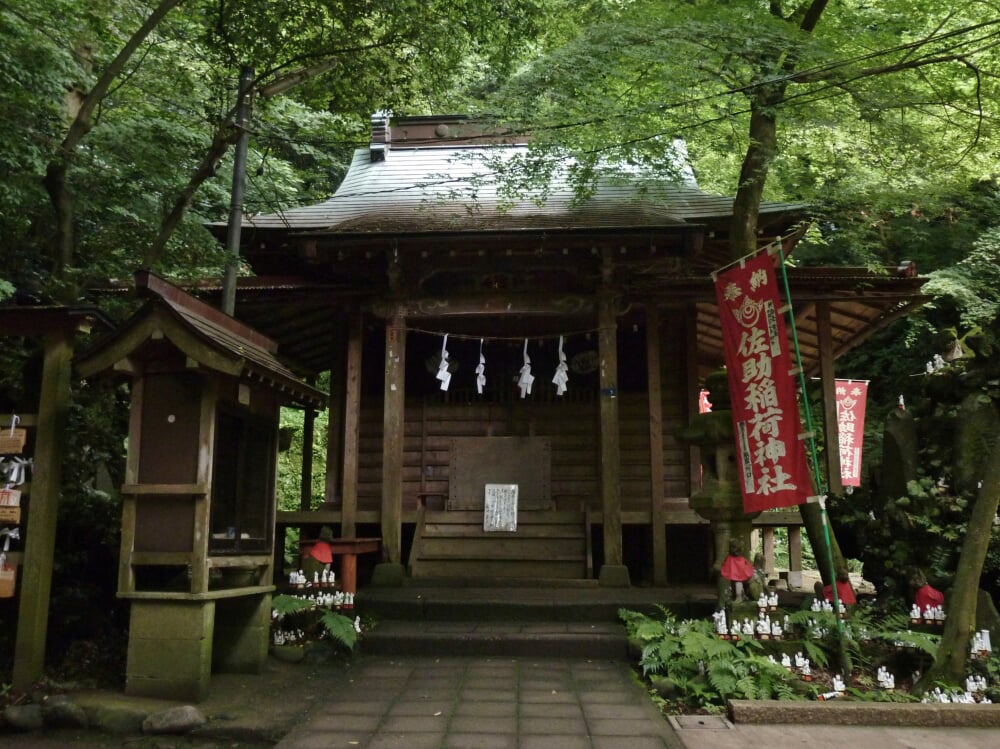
(498, 304)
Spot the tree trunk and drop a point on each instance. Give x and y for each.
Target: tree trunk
(56, 184)
(953, 651)
(225, 136)
(812, 520)
(753, 175)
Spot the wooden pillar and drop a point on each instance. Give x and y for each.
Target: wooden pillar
(352, 419)
(794, 557)
(692, 390)
(394, 399)
(767, 532)
(126, 574)
(308, 440)
(829, 387)
(335, 425)
(40, 541)
(657, 516)
(202, 502)
(613, 573)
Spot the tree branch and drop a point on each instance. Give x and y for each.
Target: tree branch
(62, 199)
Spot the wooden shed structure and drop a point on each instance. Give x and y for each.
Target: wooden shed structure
(198, 505)
(422, 240)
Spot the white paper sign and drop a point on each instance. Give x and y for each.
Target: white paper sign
(500, 508)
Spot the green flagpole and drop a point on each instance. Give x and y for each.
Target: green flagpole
(811, 435)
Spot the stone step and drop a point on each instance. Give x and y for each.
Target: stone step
(549, 618)
(598, 640)
(582, 601)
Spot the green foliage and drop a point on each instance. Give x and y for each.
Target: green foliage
(706, 669)
(859, 99)
(334, 64)
(921, 531)
(314, 621)
(289, 480)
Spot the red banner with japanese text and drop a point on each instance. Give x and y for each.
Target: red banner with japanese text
(773, 468)
(851, 397)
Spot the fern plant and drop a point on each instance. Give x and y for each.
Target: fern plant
(291, 612)
(705, 669)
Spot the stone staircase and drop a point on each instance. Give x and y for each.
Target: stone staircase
(512, 618)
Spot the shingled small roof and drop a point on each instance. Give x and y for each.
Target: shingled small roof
(206, 335)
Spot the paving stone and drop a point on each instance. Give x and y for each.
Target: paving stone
(628, 742)
(465, 724)
(435, 687)
(552, 725)
(548, 709)
(353, 707)
(485, 709)
(632, 712)
(400, 724)
(547, 695)
(351, 723)
(323, 740)
(430, 706)
(615, 727)
(606, 697)
(406, 741)
(479, 741)
(552, 741)
(482, 694)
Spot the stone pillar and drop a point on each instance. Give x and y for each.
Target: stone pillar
(720, 499)
(170, 649)
(242, 634)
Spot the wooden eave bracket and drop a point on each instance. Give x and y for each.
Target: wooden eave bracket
(157, 324)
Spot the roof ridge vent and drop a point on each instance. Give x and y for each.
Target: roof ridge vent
(381, 135)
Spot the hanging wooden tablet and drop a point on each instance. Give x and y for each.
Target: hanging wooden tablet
(12, 441)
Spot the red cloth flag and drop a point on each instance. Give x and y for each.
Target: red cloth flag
(773, 468)
(851, 396)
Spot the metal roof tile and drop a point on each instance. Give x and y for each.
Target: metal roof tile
(460, 189)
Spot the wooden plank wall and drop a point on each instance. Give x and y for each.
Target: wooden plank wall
(570, 424)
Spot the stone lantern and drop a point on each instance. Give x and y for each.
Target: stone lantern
(720, 499)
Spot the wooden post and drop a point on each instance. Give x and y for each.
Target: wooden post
(616, 574)
(203, 502)
(352, 419)
(794, 557)
(768, 533)
(657, 517)
(693, 392)
(40, 541)
(829, 386)
(126, 575)
(335, 425)
(308, 440)
(394, 399)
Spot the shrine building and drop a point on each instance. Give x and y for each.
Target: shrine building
(520, 357)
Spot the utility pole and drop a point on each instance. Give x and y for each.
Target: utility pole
(245, 92)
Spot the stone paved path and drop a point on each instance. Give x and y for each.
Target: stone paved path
(484, 703)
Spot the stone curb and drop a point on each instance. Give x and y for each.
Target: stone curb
(763, 712)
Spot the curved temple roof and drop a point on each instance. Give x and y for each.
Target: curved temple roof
(469, 188)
